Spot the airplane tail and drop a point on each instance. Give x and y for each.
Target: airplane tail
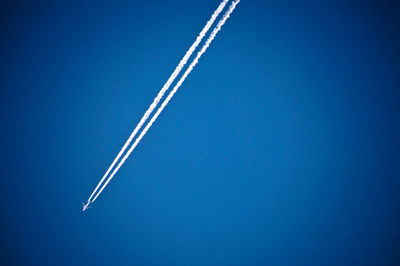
(86, 206)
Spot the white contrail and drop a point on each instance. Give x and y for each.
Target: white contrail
(171, 94)
(166, 86)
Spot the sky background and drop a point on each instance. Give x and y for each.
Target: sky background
(281, 147)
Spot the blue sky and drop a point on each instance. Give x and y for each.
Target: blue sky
(281, 147)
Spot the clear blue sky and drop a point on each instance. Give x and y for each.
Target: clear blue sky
(281, 148)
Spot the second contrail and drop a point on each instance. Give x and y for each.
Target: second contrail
(171, 94)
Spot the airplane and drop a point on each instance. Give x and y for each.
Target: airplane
(85, 207)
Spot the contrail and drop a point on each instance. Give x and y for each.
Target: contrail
(166, 86)
(171, 94)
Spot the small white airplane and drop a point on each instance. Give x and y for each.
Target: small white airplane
(85, 207)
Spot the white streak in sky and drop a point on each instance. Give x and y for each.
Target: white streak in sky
(171, 94)
(166, 86)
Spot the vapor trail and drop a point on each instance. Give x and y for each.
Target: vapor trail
(166, 86)
(171, 94)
